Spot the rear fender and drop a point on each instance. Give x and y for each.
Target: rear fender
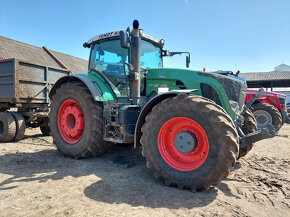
(148, 107)
(99, 90)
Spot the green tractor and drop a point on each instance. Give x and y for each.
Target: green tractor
(190, 124)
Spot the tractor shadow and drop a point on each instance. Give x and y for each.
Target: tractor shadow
(134, 185)
(137, 186)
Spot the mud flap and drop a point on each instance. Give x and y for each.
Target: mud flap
(258, 135)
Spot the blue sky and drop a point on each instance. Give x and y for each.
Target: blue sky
(246, 35)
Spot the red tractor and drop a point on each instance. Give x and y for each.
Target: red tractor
(269, 108)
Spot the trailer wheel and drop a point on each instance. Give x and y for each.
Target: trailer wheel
(189, 142)
(7, 127)
(44, 127)
(20, 126)
(45, 131)
(249, 126)
(266, 114)
(76, 122)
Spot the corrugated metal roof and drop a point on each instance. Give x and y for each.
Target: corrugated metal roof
(265, 76)
(10, 48)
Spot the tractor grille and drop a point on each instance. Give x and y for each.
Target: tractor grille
(235, 89)
(282, 102)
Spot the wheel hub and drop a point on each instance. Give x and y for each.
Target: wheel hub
(71, 121)
(263, 118)
(184, 142)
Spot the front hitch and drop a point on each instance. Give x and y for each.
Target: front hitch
(258, 135)
(258, 94)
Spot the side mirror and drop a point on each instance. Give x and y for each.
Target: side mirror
(124, 39)
(86, 45)
(187, 61)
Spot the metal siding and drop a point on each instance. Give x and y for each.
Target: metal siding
(53, 75)
(26, 82)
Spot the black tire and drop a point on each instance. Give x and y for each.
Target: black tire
(45, 130)
(91, 142)
(249, 126)
(7, 127)
(275, 117)
(44, 126)
(284, 119)
(20, 126)
(221, 132)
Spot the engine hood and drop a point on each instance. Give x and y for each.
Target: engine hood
(235, 89)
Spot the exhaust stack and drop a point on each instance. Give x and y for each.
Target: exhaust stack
(135, 61)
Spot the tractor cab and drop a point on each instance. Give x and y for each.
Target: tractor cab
(109, 58)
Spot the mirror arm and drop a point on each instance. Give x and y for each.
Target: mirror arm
(168, 53)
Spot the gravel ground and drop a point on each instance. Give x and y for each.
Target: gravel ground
(36, 180)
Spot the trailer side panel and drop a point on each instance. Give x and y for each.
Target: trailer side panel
(7, 80)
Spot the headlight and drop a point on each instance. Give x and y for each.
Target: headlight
(235, 106)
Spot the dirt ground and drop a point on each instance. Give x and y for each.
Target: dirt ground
(36, 180)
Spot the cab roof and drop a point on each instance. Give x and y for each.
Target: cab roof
(116, 34)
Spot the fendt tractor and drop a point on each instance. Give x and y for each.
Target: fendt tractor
(191, 125)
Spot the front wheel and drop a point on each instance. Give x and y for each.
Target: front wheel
(189, 142)
(76, 122)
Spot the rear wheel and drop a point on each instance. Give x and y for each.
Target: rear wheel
(266, 114)
(249, 126)
(189, 142)
(76, 122)
(7, 127)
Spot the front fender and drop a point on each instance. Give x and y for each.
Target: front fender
(148, 107)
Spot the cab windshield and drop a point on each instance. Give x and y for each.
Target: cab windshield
(108, 58)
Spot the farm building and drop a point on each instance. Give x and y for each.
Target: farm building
(267, 79)
(278, 81)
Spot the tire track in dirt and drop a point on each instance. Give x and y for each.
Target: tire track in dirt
(266, 180)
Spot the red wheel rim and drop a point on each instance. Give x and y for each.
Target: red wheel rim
(71, 122)
(183, 144)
